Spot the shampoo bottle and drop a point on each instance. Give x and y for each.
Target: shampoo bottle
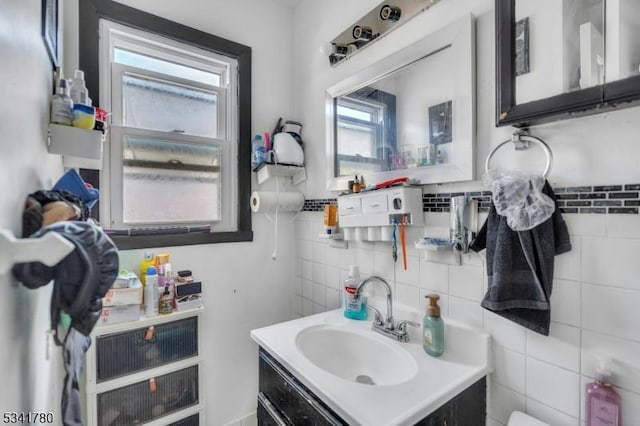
(602, 402)
(433, 327)
(354, 307)
(151, 293)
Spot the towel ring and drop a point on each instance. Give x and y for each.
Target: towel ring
(521, 141)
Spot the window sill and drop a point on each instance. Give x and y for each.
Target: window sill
(173, 240)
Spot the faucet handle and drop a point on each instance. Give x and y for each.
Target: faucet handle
(378, 319)
(402, 326)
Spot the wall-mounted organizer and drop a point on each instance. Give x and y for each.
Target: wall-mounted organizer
(80, 148)
(380, 21)
(147, 371)
(369, 216)
(265, 171)
(463, 225)
(49, 249)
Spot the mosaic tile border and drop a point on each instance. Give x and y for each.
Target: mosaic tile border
(597, 199)
(318, 204)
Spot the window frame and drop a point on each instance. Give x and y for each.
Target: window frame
(90, 13)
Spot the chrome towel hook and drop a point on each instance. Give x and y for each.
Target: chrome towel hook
(521, 140)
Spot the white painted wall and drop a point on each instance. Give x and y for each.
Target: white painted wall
(29, 383)
(596, 285)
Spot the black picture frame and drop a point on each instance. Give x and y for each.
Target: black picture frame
(50, 14)
(441, 123)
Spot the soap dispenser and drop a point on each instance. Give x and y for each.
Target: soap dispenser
(602, 401)
(433, 327)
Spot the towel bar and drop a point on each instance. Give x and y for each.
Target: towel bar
(521, 140)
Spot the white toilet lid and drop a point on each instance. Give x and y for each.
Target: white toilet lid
(518, 418)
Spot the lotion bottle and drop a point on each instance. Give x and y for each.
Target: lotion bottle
(602, 402)
(433, 328)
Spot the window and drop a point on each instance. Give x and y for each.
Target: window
(179, 104)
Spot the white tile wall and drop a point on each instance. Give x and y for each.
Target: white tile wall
(595, 310)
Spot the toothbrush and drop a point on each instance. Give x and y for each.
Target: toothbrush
(403, 241)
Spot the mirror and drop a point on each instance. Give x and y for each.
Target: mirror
(410, 114)
(565, 56)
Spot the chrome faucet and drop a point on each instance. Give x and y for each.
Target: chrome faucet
(387, 325)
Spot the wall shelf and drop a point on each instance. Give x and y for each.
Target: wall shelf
(336, 236)
(266, 171)
(80, 148)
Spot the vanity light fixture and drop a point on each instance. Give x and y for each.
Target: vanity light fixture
(362, 33)
(390, 13)
(379, 21)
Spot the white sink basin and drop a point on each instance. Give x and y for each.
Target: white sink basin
(356, 356)
(370, 379)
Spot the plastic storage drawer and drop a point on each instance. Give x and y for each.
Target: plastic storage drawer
(150, 399)
(119, 354)
(193, 420)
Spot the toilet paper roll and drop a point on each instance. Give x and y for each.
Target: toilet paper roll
(263, 201)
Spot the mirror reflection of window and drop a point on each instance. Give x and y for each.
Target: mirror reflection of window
(365, 127)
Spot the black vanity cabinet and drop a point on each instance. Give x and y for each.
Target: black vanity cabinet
(601, 90)
(284, 401)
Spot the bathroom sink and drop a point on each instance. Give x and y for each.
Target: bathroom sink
(361, 357)
(370, 379)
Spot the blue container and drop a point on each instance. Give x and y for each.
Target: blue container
(72, 182)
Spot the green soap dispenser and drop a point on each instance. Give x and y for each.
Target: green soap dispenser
(433, 327)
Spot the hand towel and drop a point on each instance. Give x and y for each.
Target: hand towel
(520, 266)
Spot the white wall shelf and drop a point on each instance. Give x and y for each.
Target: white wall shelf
(80, 148)
(267, 171)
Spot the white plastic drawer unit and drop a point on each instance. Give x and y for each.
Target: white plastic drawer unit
(119, 354)
(150, 399)
(193, 420)
(349, 206)
(374, 203)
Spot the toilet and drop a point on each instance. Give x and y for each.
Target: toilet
(518, 418)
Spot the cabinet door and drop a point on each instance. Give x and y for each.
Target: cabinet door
(136, 350)
(298, 405)
(150, 399)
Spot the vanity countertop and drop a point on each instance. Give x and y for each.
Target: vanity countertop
(434, 382)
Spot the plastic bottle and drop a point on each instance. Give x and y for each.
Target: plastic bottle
(79, 93)
(433, 328)
(149, 260)
(602, 402)
(151, 292)
(258, 150)
(62, 105)
(354, 308)
(166, 302)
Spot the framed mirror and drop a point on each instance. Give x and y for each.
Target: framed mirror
(410, 114)
(563, 58)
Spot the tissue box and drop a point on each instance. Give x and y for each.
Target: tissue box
(118, 314)
(126, 279)
(123, 296)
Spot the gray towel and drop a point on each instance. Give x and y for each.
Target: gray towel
(520, 267)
